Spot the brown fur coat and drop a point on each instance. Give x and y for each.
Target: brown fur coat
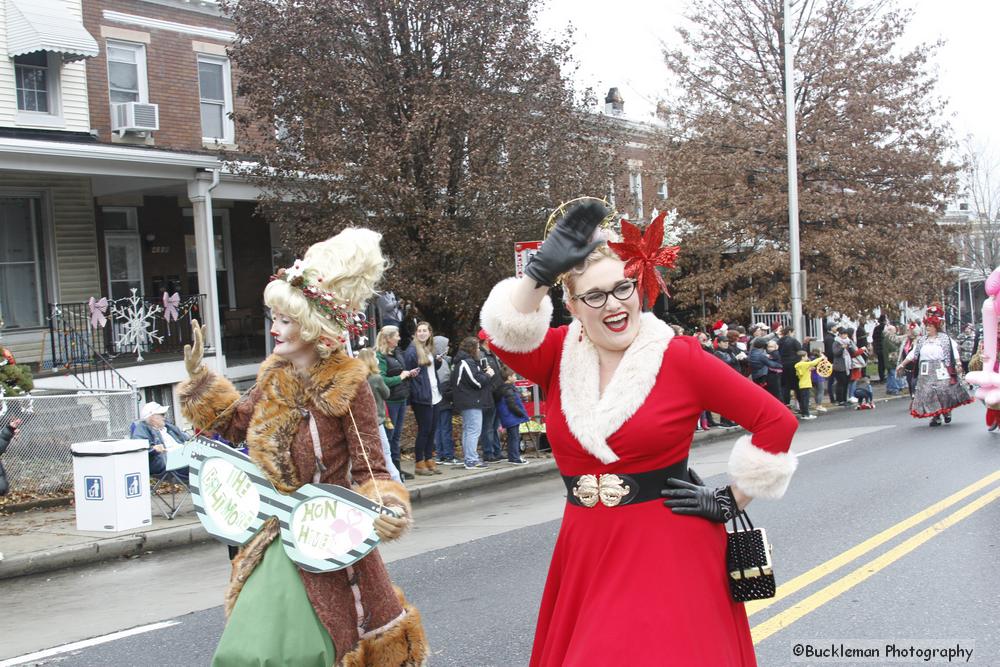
(274, 420)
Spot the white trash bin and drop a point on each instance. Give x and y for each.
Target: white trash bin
(111, 484)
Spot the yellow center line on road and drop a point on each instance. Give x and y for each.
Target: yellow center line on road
(805, 579)
(785, 618)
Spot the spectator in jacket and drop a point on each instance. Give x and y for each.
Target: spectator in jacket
(381, 393)
(891, 342)
(775, 369)
(471, 393)
(425, 396)
(761, 363)
(489, 440)
(512, 413)
(878, 336)
(729, 355)
(444, 443)
(7, 433)
(392, 367)
(843, 353)
(803, 375)
(828, 339)
(966, 346)
(160, 434)
(788, 350)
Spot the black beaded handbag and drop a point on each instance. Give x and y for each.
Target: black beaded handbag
(748, 561)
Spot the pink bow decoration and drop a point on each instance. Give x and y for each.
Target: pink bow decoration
(170, 304)
(97, 311)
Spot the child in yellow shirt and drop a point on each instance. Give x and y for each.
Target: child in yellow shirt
(803, 370)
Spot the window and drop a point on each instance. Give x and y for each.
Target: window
(127, 72)
(216, 99)
(662, 192)
(32, 77)
(36, 80)
(635, 189)
(22, 287)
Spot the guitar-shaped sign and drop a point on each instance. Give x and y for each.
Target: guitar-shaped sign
(324, 527)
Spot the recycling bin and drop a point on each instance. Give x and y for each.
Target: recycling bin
(111, 484)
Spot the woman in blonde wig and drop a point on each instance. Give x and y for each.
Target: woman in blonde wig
(311, 419)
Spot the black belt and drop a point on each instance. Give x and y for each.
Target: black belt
(613, 489)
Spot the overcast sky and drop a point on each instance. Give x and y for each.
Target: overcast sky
(619, 44)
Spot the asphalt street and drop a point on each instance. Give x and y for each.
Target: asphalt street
(887, 534)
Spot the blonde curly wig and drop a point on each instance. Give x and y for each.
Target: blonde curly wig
(348, 266)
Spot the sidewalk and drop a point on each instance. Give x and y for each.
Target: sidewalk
(46, 539)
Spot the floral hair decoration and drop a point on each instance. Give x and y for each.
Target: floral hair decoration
(934, 316)
(325, 303)
(643, 252)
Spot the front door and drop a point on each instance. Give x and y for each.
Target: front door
(124, 255)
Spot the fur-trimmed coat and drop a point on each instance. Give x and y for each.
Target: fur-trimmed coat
(284, 419)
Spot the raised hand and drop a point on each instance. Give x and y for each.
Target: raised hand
(194, 353)
(568, 244)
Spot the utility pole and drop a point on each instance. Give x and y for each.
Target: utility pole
(793, 172)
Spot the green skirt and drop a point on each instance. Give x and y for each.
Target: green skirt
(273, 622)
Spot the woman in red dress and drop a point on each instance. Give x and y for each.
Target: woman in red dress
(632, 582)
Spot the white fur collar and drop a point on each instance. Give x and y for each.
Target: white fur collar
(592, 417)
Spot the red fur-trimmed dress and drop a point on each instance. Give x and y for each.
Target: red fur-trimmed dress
(636, 584)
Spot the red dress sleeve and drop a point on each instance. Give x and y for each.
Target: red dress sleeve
(761, 464)
(539, 364)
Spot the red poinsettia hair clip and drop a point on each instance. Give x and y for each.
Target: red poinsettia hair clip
(642, 252)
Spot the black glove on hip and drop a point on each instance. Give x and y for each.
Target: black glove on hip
(568, 243)
(716, 505)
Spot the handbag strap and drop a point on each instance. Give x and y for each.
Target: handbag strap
(744, 520)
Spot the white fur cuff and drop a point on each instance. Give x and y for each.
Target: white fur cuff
(510, 329)
(759, 473)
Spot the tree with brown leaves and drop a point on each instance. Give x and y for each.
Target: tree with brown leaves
(873, 173)
(447, 126)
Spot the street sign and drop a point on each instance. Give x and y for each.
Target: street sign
(523, 252)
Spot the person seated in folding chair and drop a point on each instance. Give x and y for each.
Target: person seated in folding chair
(161, 434)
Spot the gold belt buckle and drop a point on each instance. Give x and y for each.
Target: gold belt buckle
(608, 489)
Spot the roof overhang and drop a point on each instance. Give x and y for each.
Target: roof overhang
(101, 159)
(45, 25)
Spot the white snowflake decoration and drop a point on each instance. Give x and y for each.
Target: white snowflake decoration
(136, 320)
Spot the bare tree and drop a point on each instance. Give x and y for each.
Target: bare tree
(873, 172)
(981, 183)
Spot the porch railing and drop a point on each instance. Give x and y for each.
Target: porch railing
(85, 335)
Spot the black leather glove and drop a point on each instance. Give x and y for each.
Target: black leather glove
(696, 499)
(568, 243)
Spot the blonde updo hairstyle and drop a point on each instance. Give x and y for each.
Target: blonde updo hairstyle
(348, 266)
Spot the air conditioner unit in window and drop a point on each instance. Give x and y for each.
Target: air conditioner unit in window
(134, 117)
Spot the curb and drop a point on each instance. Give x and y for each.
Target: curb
(194, 533)
(101, 550)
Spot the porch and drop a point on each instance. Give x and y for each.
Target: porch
(110, 255)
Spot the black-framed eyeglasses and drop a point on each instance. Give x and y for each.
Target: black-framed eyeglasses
(597, 298)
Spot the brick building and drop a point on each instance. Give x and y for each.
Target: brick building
(113, 118)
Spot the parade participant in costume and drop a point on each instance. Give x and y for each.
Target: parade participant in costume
(934, 357)
(632, 582)
(311, 418)
(986, 377)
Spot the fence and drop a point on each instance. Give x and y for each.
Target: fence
(38, 460)
(813, 325)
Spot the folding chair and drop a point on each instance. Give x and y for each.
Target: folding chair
(172, 478)
(171, 507)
